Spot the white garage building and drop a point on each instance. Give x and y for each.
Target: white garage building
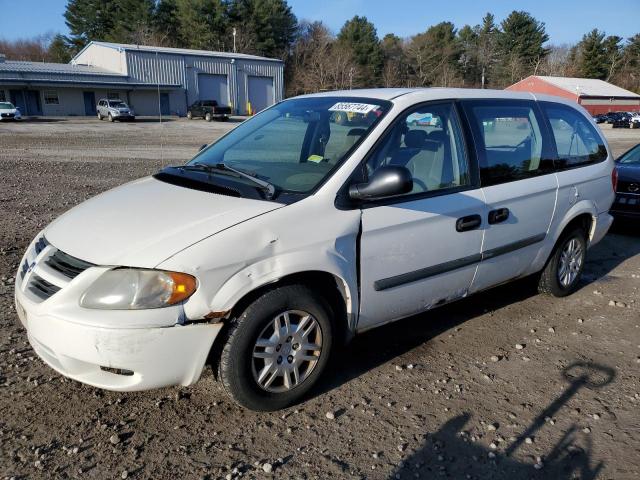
(152, 80)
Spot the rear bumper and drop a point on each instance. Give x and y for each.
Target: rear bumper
(151, 357)
(602, 224)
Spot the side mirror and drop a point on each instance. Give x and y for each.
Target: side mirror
(202, 147)
(385, 182)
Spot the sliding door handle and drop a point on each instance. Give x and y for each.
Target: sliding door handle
(470, 222)
(499, 215)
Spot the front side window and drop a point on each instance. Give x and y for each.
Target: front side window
(508, 139)
(427, 141)
(296, 144)
(577, 141)
(51, 97)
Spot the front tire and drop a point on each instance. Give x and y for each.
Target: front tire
(277, 348)
(189, 115)
(563, 270)
(111, 118)
(207, 117)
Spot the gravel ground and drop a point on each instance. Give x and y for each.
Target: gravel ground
(507, 384)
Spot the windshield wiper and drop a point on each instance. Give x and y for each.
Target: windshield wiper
(269, 188)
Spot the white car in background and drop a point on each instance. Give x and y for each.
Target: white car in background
(9, 112)
(293, 233)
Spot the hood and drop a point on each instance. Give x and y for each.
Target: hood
(144, 222)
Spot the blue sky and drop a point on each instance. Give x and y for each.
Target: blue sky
(566, 20)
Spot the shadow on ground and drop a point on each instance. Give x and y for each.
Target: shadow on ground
(381, 345)
(449, 452)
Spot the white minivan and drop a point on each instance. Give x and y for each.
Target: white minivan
(295, 231)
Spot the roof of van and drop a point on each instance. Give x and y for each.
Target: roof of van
(431, 93)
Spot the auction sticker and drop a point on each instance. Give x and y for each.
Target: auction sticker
(362, 108)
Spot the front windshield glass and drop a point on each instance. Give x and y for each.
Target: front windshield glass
(631, 157)
(6, 106)
(296, 144)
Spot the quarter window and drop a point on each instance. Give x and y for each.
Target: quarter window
(51, 97)
(577, 141)
(428, 142)
(509, 141)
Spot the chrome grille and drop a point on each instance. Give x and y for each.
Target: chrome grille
(41, 288)
(47, 270)
(69, 266)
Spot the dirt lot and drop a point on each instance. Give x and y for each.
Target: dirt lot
(446, 394)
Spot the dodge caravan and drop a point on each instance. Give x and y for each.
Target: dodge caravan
(294, 232)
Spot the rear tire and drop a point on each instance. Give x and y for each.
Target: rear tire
(189, 115)
(265, 368)
(99, 116)
(562, 273)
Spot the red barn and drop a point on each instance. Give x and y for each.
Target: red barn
(596, 96)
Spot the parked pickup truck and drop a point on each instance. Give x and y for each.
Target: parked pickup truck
(209, 109)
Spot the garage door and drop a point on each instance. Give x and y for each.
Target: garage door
(260, 93)
(213, 87)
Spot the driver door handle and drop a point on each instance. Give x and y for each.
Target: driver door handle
(470, 222)
(498, 216)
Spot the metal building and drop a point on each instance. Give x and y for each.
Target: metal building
(152, 80)
(596, 96)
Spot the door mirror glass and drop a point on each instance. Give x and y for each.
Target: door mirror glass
(386, 181)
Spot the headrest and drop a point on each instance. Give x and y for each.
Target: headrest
(415, 138)
(353, 136)
(357, 132)
(438, 136)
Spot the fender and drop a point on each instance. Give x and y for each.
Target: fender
(579, 208)
(300, 238)
(270, 270)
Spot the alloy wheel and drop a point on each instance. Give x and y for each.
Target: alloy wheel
(286, 351)
(570, 264)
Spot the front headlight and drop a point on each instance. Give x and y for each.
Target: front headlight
(135, 289)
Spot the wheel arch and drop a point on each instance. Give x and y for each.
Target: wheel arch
(333, 288)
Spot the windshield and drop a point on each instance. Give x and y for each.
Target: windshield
(6, 106)
(632, 157)
(117, 103)
(297, 143)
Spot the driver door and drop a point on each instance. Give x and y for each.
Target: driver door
(421, 249)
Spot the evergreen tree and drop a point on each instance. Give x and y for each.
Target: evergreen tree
(203, 24)
(360, 36)
(434, 55)
(521, 44)
(58, 51)
(264, 27)
(590, 55)
(166, 23)
(89, 20)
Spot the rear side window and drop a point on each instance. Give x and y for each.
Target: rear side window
(508, 139)
(577, 141)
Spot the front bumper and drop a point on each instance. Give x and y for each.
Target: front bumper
(114, 350)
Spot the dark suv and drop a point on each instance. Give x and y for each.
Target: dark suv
(208, 109)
